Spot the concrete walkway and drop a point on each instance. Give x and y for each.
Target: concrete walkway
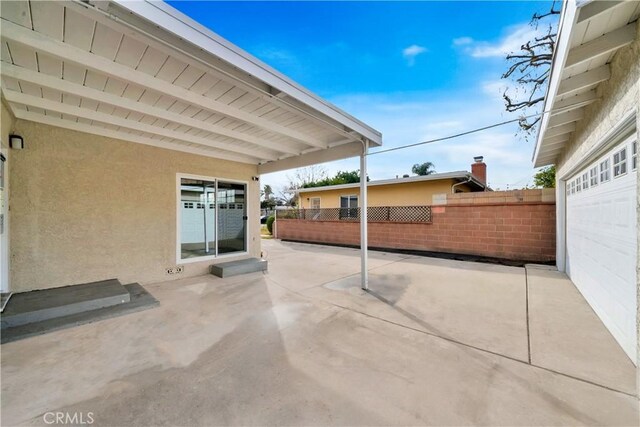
(435, 342)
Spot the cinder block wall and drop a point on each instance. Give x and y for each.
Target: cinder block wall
(516, 225)
(510, 197)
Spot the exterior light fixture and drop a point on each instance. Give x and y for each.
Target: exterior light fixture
(16, 142)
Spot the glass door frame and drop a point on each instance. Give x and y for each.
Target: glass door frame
(179, 177)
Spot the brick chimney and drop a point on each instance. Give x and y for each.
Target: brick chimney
(479, 169)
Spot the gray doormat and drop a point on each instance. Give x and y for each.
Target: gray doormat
(140, 300)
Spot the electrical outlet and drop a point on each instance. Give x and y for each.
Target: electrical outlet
(175, 270)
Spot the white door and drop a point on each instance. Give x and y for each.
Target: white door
(602, 240)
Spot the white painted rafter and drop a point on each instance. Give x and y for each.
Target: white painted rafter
(94, 130)
(39, 42)
(576, 101)
(220, 70)
(584, 80)
(564, 118)
(596, 8)
(34, 101)
(602, 45)
(556, 140)
(561, 130)
(187, 29)
(85, 92)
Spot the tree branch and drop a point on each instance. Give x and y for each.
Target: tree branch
(530, 68)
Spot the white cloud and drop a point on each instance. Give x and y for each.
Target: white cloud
(494, 88)
(410, 53)
(510, 42)
(462, 41)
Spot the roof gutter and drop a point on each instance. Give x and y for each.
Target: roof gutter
(453, 187)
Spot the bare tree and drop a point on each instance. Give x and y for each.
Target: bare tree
(308, 175)
(530, 69)
(300, 177)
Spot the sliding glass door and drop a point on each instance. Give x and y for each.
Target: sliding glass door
(212, 218)
(232, 217)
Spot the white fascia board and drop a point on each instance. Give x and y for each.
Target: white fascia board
(565, 27)
(344, 151)
(175, 22)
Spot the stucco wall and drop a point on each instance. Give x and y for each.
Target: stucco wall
(86, 208)
(407, 194)
(6, 123)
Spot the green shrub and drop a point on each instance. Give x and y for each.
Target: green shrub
(270, 223)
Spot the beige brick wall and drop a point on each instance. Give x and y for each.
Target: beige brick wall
(501, 197)
(518, 231)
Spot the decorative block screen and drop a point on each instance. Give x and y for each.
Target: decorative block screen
(408, 214)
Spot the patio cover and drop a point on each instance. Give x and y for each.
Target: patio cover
(143, 72)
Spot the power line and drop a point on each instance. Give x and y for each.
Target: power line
(469, 132)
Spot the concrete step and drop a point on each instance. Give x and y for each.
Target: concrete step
(243, 266)
(36, 306)
(140, 299)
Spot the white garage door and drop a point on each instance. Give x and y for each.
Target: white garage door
(602, 239)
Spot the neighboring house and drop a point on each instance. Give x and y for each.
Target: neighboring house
(411, 191)
(144, 138)
(592, 138)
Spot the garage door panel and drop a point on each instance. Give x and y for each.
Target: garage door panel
(602, 249)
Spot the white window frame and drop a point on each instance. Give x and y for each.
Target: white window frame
(593, 176)
(585, 180)
(604, 171)
(350, 196)
(179, 259)
(578, 183)
(620, 166)
(311, 199)
(634, 155)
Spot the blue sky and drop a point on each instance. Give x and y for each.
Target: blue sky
(413, 70)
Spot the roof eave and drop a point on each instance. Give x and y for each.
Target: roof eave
(169, 19)
(457, 175)
(569, 10)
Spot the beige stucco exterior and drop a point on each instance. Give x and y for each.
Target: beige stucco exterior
(618, 96)
(87, 208)
(401, 194)
(6, 124)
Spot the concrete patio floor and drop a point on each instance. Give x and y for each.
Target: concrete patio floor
(435, 342)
